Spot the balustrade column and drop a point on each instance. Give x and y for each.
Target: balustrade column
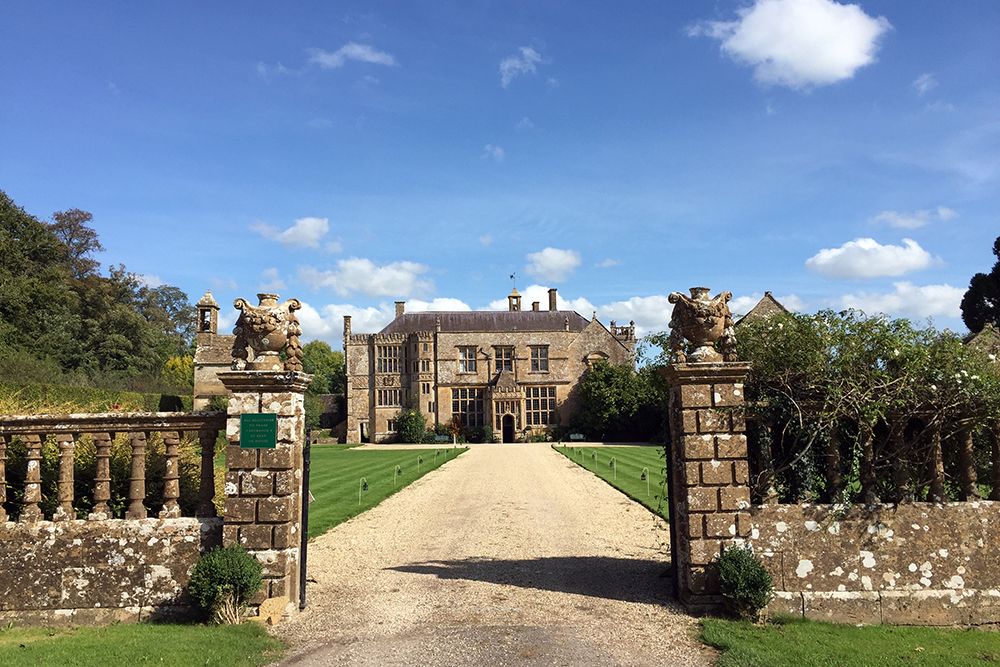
(64, 511)
(967, 465)
(206, 492)
(171, 476)
(936, 493)
(102, 477)
(137, 478)
(995, 491)
(3, 478)
(31, 512)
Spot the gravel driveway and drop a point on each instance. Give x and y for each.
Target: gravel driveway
(508, 555)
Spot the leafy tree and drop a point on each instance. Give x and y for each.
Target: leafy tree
(410, 426)
(981, 303)
(78, 240)
(327, 367)
(178, 371)
(618, 403)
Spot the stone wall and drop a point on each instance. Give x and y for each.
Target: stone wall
(84, 572)
(911, 564)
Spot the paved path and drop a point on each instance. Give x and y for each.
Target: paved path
(508, 555)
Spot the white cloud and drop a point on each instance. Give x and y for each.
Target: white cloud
(608, 263)
(650, 313)
(357, 274)
(445, 304)
(915, 219)
(910, 300)
(350, 51)
(150, 280)
(526, 61)
(305, 233)
(925, 83)
(223, 284)
(799, 43)
(271, 281)
(524, 124)
(266, 71)
(553, 264)
(493, 153)
(334, 246)
(486, 240)
(866, 258)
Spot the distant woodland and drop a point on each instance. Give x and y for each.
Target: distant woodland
(66, 320)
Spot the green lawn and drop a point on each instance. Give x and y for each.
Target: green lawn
(128, 644)
(336, 473)
(629, 463)
(794, 643)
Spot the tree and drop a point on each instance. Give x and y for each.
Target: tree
(618, 403)
(410, 426)
(178, 372)
(79, 241)
(327, 367)
(981, 303)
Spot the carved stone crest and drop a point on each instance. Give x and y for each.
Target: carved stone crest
(264, 331)
(704, 321)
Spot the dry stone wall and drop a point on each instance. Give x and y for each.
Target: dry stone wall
(911, 564)
(84, 572)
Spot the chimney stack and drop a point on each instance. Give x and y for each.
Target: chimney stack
(347, 326)
(552, 299)
(400, 308)
(534, 306)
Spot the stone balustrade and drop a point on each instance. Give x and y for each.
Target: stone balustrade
(66, 430)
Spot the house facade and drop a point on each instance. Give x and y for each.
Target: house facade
(513, 371)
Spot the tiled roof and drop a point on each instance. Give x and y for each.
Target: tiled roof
(488, 320)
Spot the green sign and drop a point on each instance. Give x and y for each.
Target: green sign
(259, 431)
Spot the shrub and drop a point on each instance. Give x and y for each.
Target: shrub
(223, 582)
(746, 585)
(410, 425)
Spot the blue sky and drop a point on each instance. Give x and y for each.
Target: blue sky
(355, 153)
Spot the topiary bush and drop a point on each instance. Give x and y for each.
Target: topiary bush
(223, 582)
(410, 426)
(746, 586)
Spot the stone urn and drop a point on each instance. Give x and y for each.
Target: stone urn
(264, 331)
(706, 323)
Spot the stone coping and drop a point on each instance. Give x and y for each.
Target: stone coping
(103, 422)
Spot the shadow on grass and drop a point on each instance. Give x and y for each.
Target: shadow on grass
(626, 579)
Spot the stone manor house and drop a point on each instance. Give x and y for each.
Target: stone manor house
(512, 370)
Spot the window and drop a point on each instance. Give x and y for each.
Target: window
(427, 347)
(425, 365)
(430, 407)
(540, 406)
(387, 397)
(504, 357)
(467, 359)
(387, 359)
(425, 387)
(467, 405)
(391, 425)
(540, 358)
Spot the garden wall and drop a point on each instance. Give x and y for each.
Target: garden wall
(82, 572)
(907, 564)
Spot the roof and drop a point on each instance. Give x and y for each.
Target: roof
(766, 307)
(488, 320)
(986, 340)
(208, 301)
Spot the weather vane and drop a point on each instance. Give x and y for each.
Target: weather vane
(513, 280)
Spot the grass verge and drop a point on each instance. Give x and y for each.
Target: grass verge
(794, 643)
(622, 468)
(133, 644)
(336, 474)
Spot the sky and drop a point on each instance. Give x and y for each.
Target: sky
(351, 154)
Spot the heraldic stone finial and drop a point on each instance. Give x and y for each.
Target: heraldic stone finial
(264, 331)
(705, 323)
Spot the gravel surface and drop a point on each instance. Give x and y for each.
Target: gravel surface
(508, 555)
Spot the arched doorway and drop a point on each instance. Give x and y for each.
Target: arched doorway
(508, 428)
